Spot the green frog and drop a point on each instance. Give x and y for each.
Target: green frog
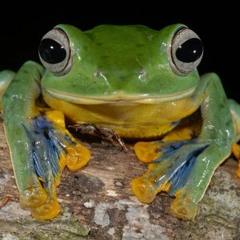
(141, 83)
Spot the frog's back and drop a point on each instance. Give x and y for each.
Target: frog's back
(112, 39)
(120, 33)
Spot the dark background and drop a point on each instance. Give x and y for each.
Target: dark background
(22, 31)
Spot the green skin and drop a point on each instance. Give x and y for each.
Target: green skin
(112, 64)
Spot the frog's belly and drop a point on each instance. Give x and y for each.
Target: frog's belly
(129, 120)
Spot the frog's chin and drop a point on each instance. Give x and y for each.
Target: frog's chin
(118, 97)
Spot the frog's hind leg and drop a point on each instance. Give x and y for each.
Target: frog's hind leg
(235, 111)
(184, 168)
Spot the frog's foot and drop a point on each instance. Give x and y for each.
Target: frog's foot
(170, 173)
(236, 153)
(52, 148)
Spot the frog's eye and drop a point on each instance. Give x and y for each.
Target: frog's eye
(186, 51)
(55, 51)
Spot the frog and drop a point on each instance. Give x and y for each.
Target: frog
(139, 82)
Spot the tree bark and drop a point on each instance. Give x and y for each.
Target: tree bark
(97, 203)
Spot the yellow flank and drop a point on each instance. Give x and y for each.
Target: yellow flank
(128, 118)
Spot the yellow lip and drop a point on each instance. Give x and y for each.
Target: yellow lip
(118, 97)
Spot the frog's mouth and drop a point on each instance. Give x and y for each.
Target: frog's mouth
(119, 97)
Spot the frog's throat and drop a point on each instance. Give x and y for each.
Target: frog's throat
(118, 97)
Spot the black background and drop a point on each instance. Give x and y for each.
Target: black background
(22, 30)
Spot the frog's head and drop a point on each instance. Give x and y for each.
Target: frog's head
(119, 63)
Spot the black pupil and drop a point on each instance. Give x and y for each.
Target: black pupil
(51, 51)
(190, 51)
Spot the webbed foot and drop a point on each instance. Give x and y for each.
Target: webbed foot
(51, 147)
(170, 171)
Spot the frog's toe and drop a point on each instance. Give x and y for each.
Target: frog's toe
(77, 156)
(147, 151)
(144, 189)
(183, 207)
(41, 201)
(33, 197)
(50, 209)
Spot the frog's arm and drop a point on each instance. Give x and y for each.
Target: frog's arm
(6, 77)
(184, 168)
(40, 146)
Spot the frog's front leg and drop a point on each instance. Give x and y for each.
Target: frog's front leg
(184, 168)
(40, 145)
(6, 76)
